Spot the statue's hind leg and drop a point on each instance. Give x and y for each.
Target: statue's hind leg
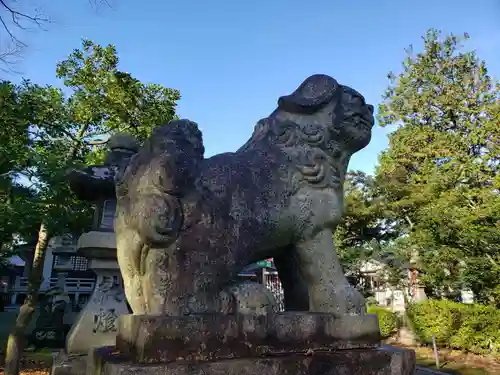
(329, 290)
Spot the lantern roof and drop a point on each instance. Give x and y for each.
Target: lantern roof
(95, 183)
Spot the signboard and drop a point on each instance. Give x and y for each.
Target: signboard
(268, 263)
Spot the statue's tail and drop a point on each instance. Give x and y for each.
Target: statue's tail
(163, 171)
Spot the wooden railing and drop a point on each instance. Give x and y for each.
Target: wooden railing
(71, 284)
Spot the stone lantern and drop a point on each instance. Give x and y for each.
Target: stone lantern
(63, 265)
(416, 288)
(95, 326)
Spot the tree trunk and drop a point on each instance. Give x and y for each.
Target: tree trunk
(15, 343)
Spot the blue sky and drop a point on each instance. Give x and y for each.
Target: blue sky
(231, 60)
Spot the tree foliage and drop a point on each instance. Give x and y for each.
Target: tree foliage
(21, 107)
(52, 132)
(366, 228)
(46, 132)
(439, 175)
(434, 197)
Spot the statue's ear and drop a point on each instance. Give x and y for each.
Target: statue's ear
(311, 95)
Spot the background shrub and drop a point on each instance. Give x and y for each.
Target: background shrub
(480, 331)
(441, 318)
(474, 328)
(388, 320)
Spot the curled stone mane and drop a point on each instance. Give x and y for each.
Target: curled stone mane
(315, 155)
(312, 147)
(161, 173)
(162, 148)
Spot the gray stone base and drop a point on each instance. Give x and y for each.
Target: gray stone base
(342, 362)
(69, 364)
(290, 343)
(160, 339)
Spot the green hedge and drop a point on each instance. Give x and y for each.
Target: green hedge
(474, 328)
(387, 320)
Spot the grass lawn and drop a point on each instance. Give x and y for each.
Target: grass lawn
(455, 361)
(453, 367)
(43, 355)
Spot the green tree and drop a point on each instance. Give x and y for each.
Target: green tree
(103, 100)
(20, 106)
(366, 225)
(440, 172)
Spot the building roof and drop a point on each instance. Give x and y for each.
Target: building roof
(7, 269)
(251, 269)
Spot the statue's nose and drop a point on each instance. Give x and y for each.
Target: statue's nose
(370, 108)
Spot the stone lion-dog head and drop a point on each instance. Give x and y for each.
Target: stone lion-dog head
(322, 122)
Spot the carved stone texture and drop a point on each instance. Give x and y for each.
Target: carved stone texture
(96, 325)
(161, 339)
(386, 361)
(69, 364)
(187, 225)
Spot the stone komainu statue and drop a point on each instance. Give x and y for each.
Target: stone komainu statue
(187, 225)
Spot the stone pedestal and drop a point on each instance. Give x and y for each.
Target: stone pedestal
(49, 329)
(96, 325)
(54, 305)
(69, 364)
(342, 362)
(278, 344)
